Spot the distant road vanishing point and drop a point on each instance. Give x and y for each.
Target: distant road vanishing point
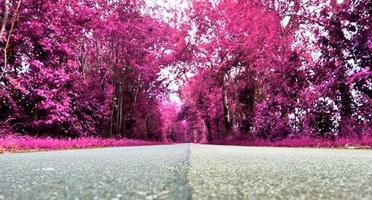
(188, 171)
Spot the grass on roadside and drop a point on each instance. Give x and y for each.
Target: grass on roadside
(27, 143)
(349, 143)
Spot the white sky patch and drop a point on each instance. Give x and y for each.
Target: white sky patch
(173, 86)
(167, 3)
(175, 98)
(285, 21)
(163, 9)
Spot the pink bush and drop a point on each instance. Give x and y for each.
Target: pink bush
(18, 143)
(365, 142)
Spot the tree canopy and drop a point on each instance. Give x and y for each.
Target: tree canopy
(267, 69)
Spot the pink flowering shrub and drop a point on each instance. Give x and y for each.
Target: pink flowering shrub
(19, 143)
(365, 142)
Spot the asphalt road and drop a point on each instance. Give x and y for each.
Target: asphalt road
(225, 172)
(146, 172)
(188, 172)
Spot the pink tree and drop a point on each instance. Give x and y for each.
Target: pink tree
(243, 51)
(78, 68)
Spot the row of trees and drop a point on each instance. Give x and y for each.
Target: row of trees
(72, 68)
(278, 69)
(266, 69)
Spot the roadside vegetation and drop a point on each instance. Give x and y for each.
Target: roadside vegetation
(27, 143)
(82, 73)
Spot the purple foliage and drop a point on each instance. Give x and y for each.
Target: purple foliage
(265, 70)
(27, 143)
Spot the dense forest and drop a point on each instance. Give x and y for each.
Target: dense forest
(243, 69)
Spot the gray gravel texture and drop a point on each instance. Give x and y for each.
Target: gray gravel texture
(231, 172)
(147, 172)
(188, 172)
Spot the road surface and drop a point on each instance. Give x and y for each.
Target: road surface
(151, 172)
(188, 171)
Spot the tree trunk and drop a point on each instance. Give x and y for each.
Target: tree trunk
(112, 114)
(120, 110)
(226, 112)
(5, 18)
(209, 131)
(2, 31)
(136, 92)
(345, 107)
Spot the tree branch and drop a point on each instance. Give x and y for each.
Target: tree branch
(5, 18)
(14, 20)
